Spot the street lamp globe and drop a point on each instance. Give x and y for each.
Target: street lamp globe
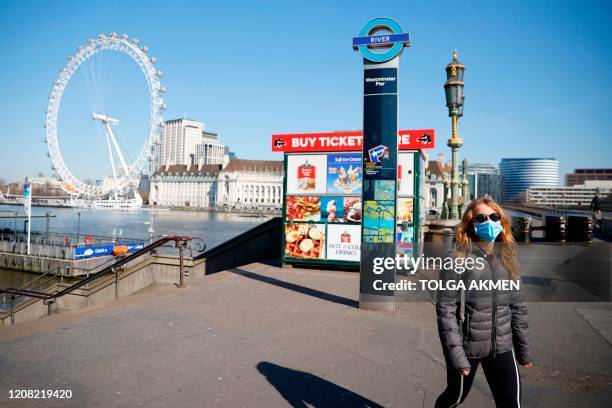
(453, 87)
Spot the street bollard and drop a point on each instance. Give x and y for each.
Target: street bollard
(116, 283)
(525, 223)
(555, 228)
(12, 310)
(520, 229)
(447, 244)
(181, 275)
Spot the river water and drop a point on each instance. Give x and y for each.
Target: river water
(213, 228)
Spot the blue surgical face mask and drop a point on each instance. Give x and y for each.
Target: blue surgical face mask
(488, 230)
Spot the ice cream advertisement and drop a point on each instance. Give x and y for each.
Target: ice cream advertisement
(344, 174)
(332, 209)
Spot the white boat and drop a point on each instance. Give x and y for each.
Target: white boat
(116, 204)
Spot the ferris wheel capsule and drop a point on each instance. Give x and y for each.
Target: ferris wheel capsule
(144, 48)
(135, 40)
(152, 60)
(113, 35)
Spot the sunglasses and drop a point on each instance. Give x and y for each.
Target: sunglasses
(483, 217)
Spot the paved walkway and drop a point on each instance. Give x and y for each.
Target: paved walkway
(261, 336)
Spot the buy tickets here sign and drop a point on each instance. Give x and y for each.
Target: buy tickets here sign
(347, 141)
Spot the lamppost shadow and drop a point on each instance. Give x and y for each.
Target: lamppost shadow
(303, 390)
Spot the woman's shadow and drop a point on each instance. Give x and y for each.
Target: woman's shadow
(303, 390)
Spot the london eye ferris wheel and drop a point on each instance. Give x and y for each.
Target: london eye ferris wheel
(104, 117)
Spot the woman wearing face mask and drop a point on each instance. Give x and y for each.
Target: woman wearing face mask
(483, 327)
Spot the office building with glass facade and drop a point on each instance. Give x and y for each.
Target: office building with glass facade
(519, 174)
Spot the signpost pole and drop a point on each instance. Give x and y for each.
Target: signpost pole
(380, 145)
(27, 196)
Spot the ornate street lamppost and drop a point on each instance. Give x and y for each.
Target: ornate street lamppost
(453, 88)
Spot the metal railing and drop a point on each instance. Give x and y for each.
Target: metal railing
(114, 265)
(42, 282)
(52, 245)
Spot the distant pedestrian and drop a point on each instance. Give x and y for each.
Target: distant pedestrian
(596, 208)
(487, 327)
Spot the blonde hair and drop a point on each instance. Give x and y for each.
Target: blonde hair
(465, 236)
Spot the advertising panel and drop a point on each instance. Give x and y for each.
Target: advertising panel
(344, 174)
(332, 209)
(325, 182)
(405, 239)
(405, 174)
(343, 242)
(305, 240)
(303, 208)
(92, 251)
(306, 174)
(352, 210)
(405, 210)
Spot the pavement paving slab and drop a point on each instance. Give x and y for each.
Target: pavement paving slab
(263, 336)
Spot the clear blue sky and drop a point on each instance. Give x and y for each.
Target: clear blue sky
(537, 79)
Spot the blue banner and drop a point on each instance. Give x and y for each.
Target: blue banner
(381, 39)
(93, 251)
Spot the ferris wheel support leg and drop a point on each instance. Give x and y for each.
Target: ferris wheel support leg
(121, 158)
(110, 156)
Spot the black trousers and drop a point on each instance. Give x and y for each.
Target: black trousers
(502, 375)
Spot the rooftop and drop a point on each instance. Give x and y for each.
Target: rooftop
(193, 169)
(243, 165)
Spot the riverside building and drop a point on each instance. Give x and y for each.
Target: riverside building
(238, 185)
(519, 174)
(184, 142)
(579, 176)
(574, 196)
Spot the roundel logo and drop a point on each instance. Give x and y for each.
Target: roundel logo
(381, 33)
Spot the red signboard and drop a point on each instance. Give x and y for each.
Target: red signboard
(347, 141)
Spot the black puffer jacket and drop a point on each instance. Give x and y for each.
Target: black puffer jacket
(495, 320)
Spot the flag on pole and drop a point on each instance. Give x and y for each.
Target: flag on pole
(27, 197)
